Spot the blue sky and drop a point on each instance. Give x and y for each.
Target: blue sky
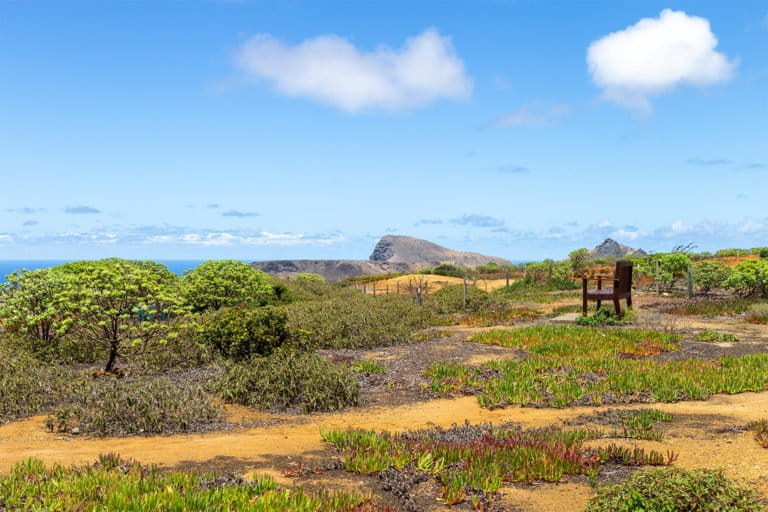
(259, 130)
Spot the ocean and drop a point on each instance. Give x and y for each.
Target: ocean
(10, 266)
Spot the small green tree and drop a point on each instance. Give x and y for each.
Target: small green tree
(308, 277)
(672, 265)
(578, 259)
(225, 283)
(33, 304)
(122, 305)
(709, 275)
(750, 278)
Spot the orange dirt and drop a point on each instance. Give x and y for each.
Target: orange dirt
(697, 441)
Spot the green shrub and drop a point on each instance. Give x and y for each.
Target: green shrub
(450, 299)
(239, 333)
(116, 484)
(710, 275)
(289, 379)
(750, 278)
(309, 277)
(676, 489)
(356, 320)
(225, 283)
(130, 406)
(28, 386)
(447, 269)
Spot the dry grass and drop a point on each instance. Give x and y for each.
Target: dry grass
(434, 282)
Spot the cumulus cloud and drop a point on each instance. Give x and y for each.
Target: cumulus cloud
(81, 210)
(478, 221)
(332, 70)
(655, 55)
(239, 214)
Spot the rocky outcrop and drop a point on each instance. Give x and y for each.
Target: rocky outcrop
(614, 250)
(414, 251)
(391, 254)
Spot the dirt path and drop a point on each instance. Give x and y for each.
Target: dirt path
(28, 438)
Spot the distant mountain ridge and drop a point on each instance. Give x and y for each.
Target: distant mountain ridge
(392, 253)
(612, 249)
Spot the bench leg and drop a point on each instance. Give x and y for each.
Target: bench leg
(599, 304)
(617, 307)
(629, 301)
(584, 305)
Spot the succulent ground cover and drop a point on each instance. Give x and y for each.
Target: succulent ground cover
(472, 462)
(672, 489)
(711, 306)
(116, 484)
(588, 366)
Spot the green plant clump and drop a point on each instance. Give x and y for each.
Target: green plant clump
(368, 366)
(131, 406)
(606, 316)
(714, 336)
(450, 299)
(676, 489)
(239, 333)
(27, 386)
(576, 365)
(116, 484)
(468, 460)
(289, 379)
(357, 321)
(758, 313)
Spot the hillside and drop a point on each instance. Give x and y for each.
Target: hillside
(391, 254)
(612, 249)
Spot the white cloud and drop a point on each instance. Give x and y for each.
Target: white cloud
(330, 69)
(533, 115)
(655, 55)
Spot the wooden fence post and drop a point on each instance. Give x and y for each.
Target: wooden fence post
(507, 276)
(374, 288)
(397, 287)
(464, 303)
(365, 291)
(690, 282)
(658, 277)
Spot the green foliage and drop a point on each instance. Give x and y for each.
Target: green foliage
(34, 305)
(577, 365)
(239, 333)
(606, 316)
(225, 283)
(27, 386)
(289, 379)
(450, 299)
(762, 252)
(130, 406)
(750, 277)
(309, 277)
(527, 291)
(368, 366)
(673, 489)
(478, 459)
(714, 336)
(122, 485)
(709, 275)
(122, 305)
(578, 259)
(447, 269)
(355, 320)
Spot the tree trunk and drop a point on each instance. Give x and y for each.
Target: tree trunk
(112, 357)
